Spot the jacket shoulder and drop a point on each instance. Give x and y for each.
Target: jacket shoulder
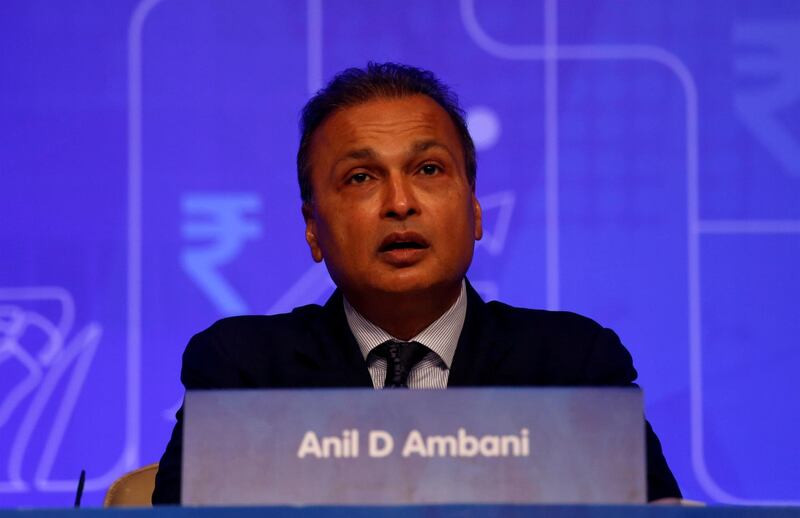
(573, 349)
(546, 323)
(230, 352)
(246, 325)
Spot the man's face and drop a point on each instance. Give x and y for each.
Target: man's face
(392, 209)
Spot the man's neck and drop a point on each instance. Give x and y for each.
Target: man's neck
(405, 315)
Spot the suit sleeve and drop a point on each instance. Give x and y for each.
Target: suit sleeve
(610, 363)
(205, 366)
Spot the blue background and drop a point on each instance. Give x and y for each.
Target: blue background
(639, 162)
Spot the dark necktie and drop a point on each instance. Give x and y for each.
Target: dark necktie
(401, 357)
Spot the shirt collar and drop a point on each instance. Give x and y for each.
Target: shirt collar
(441, 336)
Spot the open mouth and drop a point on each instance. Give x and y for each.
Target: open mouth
(403, 241)
(402, 245)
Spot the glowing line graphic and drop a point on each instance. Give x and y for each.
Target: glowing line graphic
(45, 371)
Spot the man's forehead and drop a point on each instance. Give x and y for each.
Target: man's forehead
(418, 120)
(413, 147)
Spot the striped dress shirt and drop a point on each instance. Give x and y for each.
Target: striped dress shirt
(441, 337)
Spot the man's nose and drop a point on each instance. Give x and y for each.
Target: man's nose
(400, 201)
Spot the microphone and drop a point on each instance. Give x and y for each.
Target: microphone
(79, 492)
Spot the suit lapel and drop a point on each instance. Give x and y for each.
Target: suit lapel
(334, 348)
(477, 351)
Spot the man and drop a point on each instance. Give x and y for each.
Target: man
(387, 171)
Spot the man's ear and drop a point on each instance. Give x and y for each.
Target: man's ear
(311, 232)
(476, 208)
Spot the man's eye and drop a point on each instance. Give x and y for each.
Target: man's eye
(430, 169)
(358, 178)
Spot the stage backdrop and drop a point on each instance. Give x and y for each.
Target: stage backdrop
(639, 163)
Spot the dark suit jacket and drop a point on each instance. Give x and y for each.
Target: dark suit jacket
(312, 346)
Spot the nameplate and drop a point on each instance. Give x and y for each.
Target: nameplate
(386, 447)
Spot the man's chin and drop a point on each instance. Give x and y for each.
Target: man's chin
(415, 281)
(411, 285)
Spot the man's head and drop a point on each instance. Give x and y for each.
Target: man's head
(387, 171)
(355, 86)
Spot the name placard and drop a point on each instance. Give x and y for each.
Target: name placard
(362, 446)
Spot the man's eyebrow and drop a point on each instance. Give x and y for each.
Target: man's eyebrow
(366, 152)
(425, 145)
(369, 153)
(356, 154)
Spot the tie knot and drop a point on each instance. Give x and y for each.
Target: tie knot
(401, 357)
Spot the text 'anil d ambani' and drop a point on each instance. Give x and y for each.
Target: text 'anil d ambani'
(380, 443)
